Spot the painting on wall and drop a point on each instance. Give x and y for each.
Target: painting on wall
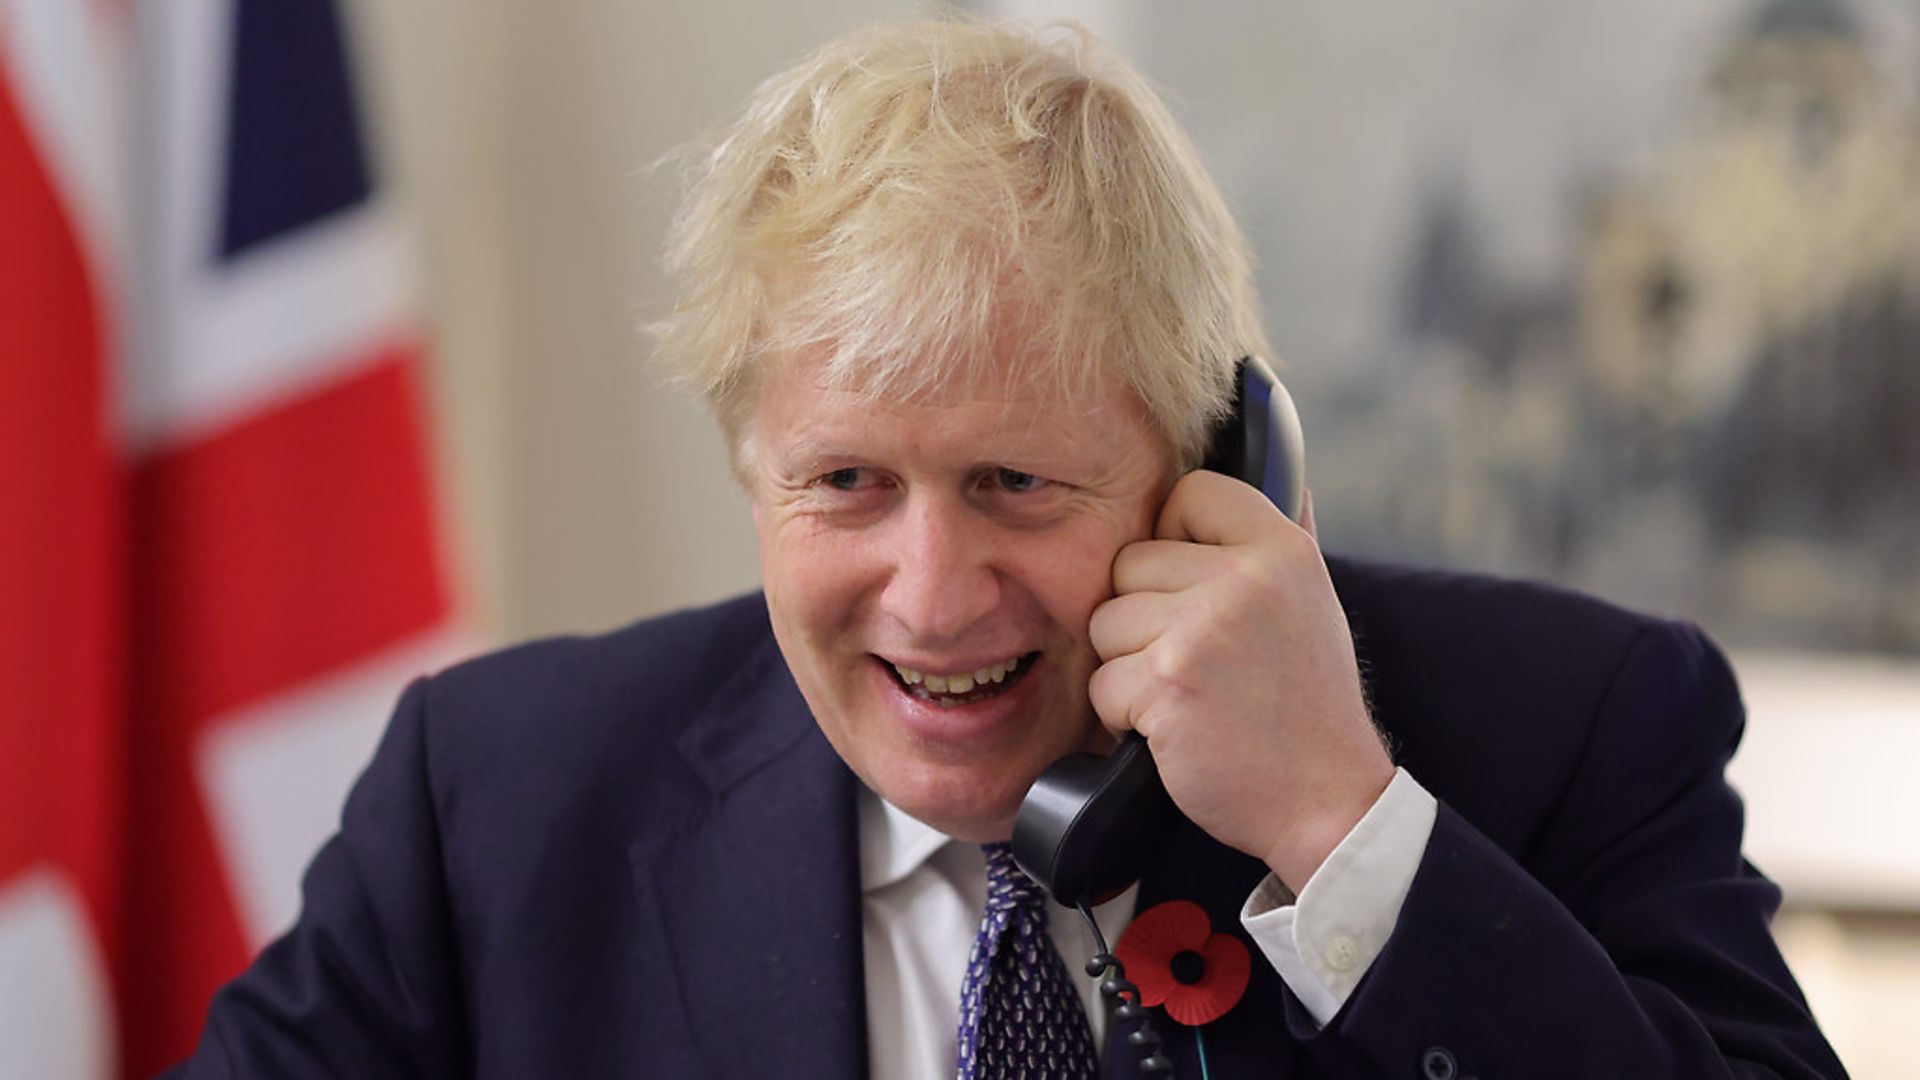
(1622, 296)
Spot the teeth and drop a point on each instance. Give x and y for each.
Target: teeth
(961, 683)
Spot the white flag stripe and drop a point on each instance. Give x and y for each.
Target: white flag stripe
(66, 65)
(185, 67)
(182, 65)
(274, 325)
(274, 772)
(55, 1010)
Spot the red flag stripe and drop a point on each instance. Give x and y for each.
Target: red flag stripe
(60, 552)
(240, 537)
(183, 937)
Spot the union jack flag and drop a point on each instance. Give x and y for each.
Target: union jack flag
(219, 552)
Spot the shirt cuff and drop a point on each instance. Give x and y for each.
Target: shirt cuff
(1324, 942)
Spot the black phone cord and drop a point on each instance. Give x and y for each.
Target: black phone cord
(1125, 999)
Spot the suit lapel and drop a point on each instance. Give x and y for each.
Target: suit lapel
(1252, 1038)
(759, 899)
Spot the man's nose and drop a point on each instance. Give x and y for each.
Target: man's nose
(944, 581)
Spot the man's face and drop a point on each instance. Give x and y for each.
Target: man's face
(931, 567)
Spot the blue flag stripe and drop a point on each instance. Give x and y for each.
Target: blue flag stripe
(295, 152)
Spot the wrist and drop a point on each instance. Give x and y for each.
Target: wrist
(1306, 841)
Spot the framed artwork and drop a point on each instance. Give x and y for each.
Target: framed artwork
(1622, 295)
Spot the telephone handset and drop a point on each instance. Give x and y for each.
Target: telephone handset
(1090, 823)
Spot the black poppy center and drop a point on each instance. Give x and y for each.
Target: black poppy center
(1188, 967)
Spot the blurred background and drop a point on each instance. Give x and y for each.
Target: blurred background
(320, 366)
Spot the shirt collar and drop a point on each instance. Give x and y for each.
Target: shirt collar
(893, 843)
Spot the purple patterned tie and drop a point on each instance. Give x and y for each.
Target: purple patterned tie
(1019, 1015)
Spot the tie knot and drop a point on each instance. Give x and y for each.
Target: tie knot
(1008, 887)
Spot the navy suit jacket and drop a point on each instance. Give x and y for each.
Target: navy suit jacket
(635, 855)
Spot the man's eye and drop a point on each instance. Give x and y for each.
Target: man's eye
(1016, 481)
(848, 479)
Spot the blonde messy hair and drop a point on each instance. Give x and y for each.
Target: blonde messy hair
(911, 197)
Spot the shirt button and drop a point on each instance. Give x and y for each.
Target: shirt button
(1437, 1063)
(1342, 953)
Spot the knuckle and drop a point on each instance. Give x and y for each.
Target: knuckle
(1249, 567)
(1297, 543)
(1175, 667)
(1262, 577)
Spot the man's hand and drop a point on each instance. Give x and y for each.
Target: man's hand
(1225, 646)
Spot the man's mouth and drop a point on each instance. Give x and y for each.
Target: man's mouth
(962, 688)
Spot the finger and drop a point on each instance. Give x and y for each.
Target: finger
(1165, 566)
(1211, 508)
(1118, 691)
(1131, 622)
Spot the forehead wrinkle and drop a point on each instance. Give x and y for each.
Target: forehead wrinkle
(1022, 422)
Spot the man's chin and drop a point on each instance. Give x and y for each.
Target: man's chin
(963, 815)
(973, 799)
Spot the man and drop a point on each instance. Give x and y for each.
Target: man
(967, 308)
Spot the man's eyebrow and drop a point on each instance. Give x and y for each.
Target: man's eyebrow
(812, 445)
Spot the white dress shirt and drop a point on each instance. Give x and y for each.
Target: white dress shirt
(923, 895)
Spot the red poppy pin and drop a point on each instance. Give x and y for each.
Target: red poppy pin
(1173, 955)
